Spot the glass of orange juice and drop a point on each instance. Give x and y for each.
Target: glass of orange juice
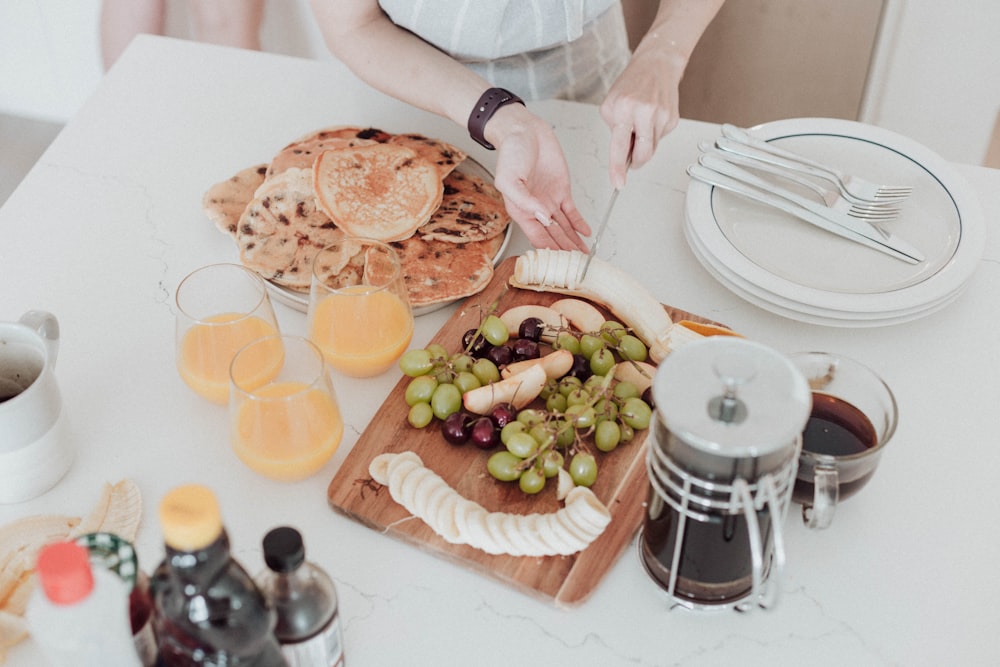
(220, 308)
(284, 425)
(359, 313)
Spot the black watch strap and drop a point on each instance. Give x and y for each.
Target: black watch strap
(488, 104)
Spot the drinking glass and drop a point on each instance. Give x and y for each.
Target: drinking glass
(287, 424)
(220, 308)
(853, 417)
(359, 313)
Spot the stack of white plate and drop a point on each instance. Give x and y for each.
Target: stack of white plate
(794, 269)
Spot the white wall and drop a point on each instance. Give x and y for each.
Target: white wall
(936, 75)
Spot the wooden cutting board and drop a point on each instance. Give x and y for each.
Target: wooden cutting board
(565, 580)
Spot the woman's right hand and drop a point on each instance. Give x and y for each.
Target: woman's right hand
(533, 177)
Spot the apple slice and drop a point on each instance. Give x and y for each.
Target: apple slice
(518, 390)
(581, 314)
(638, 373)
(556, 364)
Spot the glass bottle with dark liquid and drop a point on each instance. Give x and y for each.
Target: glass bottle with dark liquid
(208, 609)
(722, 460)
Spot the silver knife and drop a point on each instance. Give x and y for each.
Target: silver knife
(711, 177)
(857, 226)
(607, 216)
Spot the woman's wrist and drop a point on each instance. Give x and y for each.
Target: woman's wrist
(490, 103)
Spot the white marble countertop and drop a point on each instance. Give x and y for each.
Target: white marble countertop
(109, 220)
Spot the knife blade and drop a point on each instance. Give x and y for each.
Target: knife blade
(607, 216)
(712, 177)
(855, 225)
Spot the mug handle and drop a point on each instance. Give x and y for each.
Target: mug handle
(45, 325)
(825, 496)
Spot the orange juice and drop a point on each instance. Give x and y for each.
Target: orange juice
(362, 333)
(207, 349)
(287, 430)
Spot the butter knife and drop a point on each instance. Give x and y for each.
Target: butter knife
(607, 216)
(826, 222)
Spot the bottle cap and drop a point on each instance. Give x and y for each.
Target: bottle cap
(283, 549)
(190, 518)
(64, 571)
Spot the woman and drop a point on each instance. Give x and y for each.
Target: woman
(445, 56)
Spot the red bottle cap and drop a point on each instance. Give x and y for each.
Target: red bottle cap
(64, 571)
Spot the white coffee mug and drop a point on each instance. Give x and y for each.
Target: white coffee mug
(35, 450)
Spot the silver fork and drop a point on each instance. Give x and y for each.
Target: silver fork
(874, 212)
(851, 185)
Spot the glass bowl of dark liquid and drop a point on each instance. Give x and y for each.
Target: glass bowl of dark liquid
(853, 417)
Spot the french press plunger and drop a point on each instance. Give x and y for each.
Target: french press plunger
(722, 459)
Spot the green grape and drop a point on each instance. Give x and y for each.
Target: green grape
(565, 433)
(583, 469)
(415, 363)
(636, 413)
(567, 341)
(446, 400)
(555, 403)
(551, 387)
(530, 417)
(437, 351)
(589, 343)
(581, 416)
(552, 463)
(593, 384)
(577, 397)
(494, 330)
(568, 384)
(612, 331)
(532, 481)
(486, 371)
(607, 436)
(602, 361)
(444, 375)
(466, 381)
(625, 389)
(606, 410)
(627, 432)
(504, 466)
(522, 445)
(631, 348)
(420, 415)
(462, 363)
(420, 390)
(510, 429)
(543, 434)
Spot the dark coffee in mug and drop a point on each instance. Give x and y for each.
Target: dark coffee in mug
(835, 428)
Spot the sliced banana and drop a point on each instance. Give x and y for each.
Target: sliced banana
(459, 520)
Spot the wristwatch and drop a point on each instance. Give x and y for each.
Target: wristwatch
(488, 104)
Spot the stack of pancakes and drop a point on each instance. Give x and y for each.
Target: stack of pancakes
(411, 191)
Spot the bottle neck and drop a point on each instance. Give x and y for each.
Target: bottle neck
(199, 565)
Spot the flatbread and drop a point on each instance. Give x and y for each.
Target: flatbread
(301, 153)
(437, 271)
(442, 154)
(471, 210)
(225, 201)
(281, 230)
(382, 191)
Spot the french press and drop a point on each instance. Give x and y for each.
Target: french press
(722, 458)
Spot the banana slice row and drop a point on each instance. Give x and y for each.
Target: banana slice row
(459, 520)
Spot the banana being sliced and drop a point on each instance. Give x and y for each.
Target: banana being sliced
(459, 520)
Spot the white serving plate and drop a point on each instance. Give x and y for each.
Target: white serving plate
(804, 270)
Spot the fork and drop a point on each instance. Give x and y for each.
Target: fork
(874, 212)
(853, 187)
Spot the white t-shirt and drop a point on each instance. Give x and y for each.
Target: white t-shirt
(567, 49)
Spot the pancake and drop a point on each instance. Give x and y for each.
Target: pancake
(438, 271)
(381, 191)
(471, 210)
(443, 155)
(301, 153)
(281, 229)
(225, 201)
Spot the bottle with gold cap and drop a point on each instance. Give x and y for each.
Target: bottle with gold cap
(208, 609)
